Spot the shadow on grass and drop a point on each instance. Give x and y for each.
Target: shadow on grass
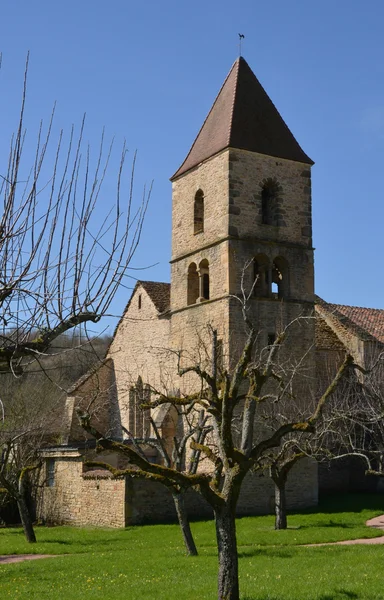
(9, 530)
(60, 542)
(270, 552)
(87, 544)
(331, 523)
(339, 594)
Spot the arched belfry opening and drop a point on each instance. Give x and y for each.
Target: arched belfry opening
(198, 282)
(193, 284)
(270, 192)
(198, 212)
(280, 278)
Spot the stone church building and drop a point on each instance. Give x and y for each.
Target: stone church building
(241, 228)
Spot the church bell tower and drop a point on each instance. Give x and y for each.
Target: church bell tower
(242, 220)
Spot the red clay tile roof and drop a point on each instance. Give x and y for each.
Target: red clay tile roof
(364, 322)
(244, 117)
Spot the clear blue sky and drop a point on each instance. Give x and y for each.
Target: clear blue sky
(149, 72)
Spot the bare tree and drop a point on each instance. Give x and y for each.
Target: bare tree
(194, 426)
(65, 246)
(231, 399)
(31, 417)
(172, 451)
(325, 444)
(358, 418)
(280, 464)
(31, 420)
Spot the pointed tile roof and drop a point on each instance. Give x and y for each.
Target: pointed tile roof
(243, 117)
(159, 293)
(366, 323)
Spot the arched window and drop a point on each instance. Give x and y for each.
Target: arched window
(204, 279)
(280, 278)
(198, 215)
(269, 197)
(260, 282)
(139, 419)
(193, 284)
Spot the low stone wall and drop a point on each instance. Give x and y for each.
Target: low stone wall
(150, 502)
(258, 493)
(96, 499)
(346, 475)
(82, 499)
(302, 485)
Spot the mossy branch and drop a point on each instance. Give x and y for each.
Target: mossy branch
(130, 472)
(275, 439)
(175, 401)
(216, 460)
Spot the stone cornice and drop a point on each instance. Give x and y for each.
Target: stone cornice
(266, 242)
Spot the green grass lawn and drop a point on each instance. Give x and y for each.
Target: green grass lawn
(149, 563)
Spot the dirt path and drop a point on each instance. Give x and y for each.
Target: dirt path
(15, 558)
(376, 522)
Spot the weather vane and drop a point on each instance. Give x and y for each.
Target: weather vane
(241, 37)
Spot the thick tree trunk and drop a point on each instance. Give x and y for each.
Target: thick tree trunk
(185, 527)
(26, 520)
(228, 582)
(25, 516)
(280, 505)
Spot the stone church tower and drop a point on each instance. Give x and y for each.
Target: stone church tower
(242, 218)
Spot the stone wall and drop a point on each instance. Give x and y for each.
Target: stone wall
(346, 475)
(96, 499)
(151, 502)
(302, 485)
(330, 353)
(212, 178)
(258, 495)
(211, 244)
(82, 499)
(248, 172)
(140, 348)
(94, 391)
(191, 331)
